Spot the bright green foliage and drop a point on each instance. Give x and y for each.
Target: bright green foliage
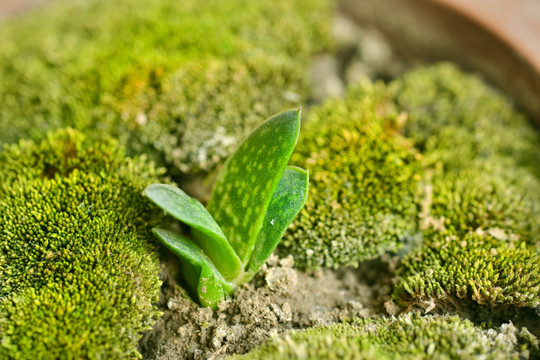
(454, 117)
(202, 277)
(191, 212)
(476, 244)
(405, 337)
(117, 67)
(289, 196)
(247, 182)
(255, 198)
(481, 217)
(472, 200)
(78, 272)
(363, 187)
(475, 267)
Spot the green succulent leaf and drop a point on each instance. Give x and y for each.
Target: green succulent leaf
(248, 179)
(197, 269)
(255, 199)
(206, 232)
(287, 201)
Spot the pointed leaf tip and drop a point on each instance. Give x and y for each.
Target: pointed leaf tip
(184, 208)
(248, 179)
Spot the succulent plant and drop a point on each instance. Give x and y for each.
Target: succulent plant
(255, 198)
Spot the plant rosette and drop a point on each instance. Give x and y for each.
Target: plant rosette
(255, 198)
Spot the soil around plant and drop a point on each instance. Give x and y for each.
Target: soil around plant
(280, 298)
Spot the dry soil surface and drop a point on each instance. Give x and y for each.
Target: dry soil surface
(280, 298)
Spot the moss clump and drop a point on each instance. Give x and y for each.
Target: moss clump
(405, 337)
(454, 117)
(111, 66)
(479, 241)
(363, 183)
(207, 106)
(452, 272)
(78, 272)
(479, 200)
(480, 216)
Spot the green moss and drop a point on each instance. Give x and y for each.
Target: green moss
(479, 241)
(480, 215)
(363, 183)
(473, 200)
(207, 107)
(405, 337)
(452, 272)
(78, 271)
(101, 65)
(455, 117)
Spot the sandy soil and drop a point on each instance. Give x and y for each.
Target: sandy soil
(279, 299)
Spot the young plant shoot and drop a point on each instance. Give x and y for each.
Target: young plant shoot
(255, 198)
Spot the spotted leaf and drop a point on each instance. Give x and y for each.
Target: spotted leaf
(248, 179)
(287, 201)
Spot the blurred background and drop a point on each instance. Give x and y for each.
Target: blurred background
(500, 39)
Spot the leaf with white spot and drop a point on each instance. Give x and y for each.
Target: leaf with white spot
(206, 232)
(287, 201)
(255, 198)
(248, 179)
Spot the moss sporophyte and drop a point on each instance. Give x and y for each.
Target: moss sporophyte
(255, 198)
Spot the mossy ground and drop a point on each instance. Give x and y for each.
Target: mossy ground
(158, 75)
(458, 120)
(480, 224)
(405, 337)
(476, 249)
(363, 186)
(183, 83)
(470, 196)
(78, 266)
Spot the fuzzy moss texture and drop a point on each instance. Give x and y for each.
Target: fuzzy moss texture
(458, 121)
(480, 219)
(472, 199)
(78, 268)
(363, 184)
(179, 81)
(405, 337)
(476, 250)
(182, 81)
